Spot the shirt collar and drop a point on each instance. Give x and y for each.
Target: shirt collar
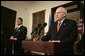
(62, 20)
(19, 26)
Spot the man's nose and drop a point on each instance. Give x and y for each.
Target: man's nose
(56, 15)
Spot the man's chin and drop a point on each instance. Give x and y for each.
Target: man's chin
(58, 19)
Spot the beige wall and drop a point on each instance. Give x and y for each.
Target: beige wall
(26, 8)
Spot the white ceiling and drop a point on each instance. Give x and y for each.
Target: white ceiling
(17, 4)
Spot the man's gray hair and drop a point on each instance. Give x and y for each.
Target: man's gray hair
(63, 9)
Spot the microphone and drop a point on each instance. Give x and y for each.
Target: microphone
(39, 28)
(36, 28)
(43, 25)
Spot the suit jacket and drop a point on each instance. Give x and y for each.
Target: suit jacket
(67, 35)
(21, 33)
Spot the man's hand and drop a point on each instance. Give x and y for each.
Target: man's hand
(13, 38)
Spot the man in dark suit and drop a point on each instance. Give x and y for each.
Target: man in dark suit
(63, 31)
(18, 35)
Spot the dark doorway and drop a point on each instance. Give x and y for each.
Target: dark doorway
(8, 18)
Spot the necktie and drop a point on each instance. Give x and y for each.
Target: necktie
(58, 25)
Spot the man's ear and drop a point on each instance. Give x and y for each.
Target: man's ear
(21, 22)
(64, 15)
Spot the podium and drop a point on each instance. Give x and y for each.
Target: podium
(40, 46)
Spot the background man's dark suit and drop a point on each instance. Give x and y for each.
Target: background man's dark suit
(20, 34)
(67, 35)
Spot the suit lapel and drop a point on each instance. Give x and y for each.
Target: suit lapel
(54, 31)
(19, 29)
(62, 26)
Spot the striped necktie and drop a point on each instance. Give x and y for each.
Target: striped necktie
(58, 25)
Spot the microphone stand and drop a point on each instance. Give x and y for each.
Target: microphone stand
(38, 35)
